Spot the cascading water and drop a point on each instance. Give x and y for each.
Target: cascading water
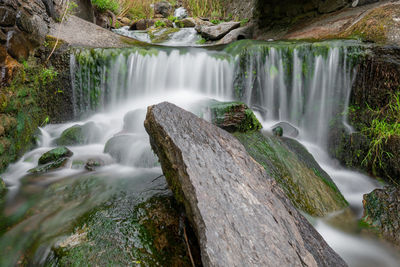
(304, 84)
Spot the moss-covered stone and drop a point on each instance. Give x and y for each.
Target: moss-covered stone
(161, 35)
(233, 116)
(78, 135)
(49, 166)
(55, 154)
(381, 213)
(294, 168)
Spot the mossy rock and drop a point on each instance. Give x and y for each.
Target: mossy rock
(3, 187)
(59, 163)
(305, 183)
(161, 35)
(379, 25)
(79, 135)
(55, 154)
(233, 116)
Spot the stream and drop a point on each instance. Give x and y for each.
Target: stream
(304, 84)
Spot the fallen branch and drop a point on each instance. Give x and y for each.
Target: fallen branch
(188, 247)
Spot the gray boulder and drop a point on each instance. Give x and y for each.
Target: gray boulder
(240, 214)
(216, 32)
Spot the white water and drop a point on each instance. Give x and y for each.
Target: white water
(308, 100)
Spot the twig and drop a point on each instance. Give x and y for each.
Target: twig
(58, 34)
(188, 247)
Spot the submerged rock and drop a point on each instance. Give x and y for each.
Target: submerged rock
(161, 35)
(381, 212)
(305, 183)
(218, 31)
(232, 116)
(131, 150)
(240, 214)
(55, 154)
(278, 131)
(79, 135)
(93, 164)
(59, 163)
(133, 121)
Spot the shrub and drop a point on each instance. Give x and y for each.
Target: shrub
(104, 5)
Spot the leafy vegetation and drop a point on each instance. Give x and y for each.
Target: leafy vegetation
(385, 125)
(104, 5)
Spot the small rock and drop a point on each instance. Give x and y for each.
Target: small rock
(218, 31)
(142, 24)
(93, 164)
(61, 162)
(286, 128)
(125, 21)
(55, 154)
(164, 8)
(278, 131)
(186, 23)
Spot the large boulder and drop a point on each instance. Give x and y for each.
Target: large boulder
(381, 212)
(142, 24)
(216, 32)
(240, 214)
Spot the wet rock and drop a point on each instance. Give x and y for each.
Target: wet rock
(93, 164)
(131, 150)
(232, 116)
(8, 16)
(237, 34)
(305, 183)
(379, 25)
(381, 212)
(208, 170)
(79, 135)
(55, 154)
(3, 187)
(218, 31)
(142, 24)
(287, 129)
(160, 35)
(164, 8)
(57, 164)
(329, 6)
(133, 121)
(186, 23)
(278, 131)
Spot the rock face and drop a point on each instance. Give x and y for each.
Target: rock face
(218, 31)
(79, 135)
(381, 211)
(23, 27)
(240, 214)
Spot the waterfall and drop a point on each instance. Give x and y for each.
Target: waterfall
(305, 84)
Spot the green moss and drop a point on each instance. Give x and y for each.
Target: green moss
(296, 171)
(50, 166)
(55, 154)
(161, 35)
(23, 109)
